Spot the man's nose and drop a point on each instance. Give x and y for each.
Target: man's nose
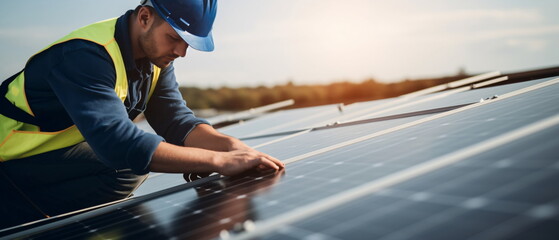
(180, 49)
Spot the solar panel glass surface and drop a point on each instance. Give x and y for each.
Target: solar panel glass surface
(505, 193)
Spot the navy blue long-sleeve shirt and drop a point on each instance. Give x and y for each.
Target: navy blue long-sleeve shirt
(73, 83)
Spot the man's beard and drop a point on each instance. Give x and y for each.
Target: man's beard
(148, 46)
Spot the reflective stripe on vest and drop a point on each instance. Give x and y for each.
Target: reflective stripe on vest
(19, 140)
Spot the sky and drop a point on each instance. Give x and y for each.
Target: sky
(264, 43)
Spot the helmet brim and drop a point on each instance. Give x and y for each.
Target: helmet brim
(205, 44)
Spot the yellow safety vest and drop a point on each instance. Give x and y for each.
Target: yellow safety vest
(19, 140)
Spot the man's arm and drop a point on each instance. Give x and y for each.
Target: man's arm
(172, 158)
(204, 149)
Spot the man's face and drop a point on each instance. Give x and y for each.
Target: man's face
(162, 44)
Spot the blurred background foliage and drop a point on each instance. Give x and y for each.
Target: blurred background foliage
(234, 99)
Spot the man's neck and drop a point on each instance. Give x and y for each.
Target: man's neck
(134, 37)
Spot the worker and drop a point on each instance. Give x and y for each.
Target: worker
(67, 140)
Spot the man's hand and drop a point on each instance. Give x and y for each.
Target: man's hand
(207, 151)
(206, 137)
(235, 162)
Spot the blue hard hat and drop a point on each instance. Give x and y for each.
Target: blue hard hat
(191, 19)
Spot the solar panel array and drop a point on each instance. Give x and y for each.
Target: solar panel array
(476, 164)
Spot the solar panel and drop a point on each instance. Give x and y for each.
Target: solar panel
(333, 170)
(371, 109)
(502, 193)
(291, 146)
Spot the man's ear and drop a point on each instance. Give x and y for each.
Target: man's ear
(145, 17)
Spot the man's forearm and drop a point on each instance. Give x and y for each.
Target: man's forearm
(177, 159)
(206, 137)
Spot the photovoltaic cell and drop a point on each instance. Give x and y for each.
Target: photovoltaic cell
(227, 204)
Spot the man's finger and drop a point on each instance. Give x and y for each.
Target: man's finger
(275, 160)
(269, 163)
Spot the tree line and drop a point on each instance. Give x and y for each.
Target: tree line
(234, 99)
